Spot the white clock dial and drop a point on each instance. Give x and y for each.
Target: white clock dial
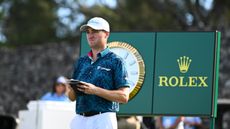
(133, 62)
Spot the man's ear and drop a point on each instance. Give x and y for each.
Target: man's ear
(107, 35)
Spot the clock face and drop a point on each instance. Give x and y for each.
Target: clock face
(134, 64)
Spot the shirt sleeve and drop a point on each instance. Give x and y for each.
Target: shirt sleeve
(46, 96)
(120, 75)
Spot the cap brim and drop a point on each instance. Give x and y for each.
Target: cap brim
(84, 27)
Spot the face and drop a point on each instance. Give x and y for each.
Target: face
(60, 88)
(96, 38)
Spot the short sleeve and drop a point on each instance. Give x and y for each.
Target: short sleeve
(121, 75)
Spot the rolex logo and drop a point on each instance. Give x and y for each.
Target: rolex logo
(184, 63)
(183, 81)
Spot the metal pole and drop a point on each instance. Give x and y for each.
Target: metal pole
(212, 123)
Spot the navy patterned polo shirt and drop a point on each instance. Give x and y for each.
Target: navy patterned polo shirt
(108, 72)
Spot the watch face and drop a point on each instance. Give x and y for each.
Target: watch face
(134, 64)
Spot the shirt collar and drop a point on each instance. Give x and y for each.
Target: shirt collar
(101, 54)
(104, 52)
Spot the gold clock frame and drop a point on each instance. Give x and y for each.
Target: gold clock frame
(141, 64)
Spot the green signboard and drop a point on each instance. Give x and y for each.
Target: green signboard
(172, 73)
(183, 78)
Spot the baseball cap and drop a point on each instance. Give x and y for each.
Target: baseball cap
(96, 23)
(61, 80)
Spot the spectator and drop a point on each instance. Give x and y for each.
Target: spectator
(171, 122)
(192, 123)
(58, 91)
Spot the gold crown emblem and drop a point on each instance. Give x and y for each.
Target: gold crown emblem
(184, 63)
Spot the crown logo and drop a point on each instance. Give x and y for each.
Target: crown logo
(184, 63)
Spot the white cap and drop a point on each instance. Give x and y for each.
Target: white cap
(61, 79)
(96, 23)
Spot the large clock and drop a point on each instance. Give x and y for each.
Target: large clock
(134, 64)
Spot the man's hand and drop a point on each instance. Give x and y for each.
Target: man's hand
(87, 88)
(70, 93)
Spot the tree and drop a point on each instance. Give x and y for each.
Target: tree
(134, 15)
(163, 14)
(30, 21)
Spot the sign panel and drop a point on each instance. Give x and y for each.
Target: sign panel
(172, 73)
(184, 73)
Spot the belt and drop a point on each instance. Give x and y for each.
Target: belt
(87, 114)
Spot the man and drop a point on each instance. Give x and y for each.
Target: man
(104, 81)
